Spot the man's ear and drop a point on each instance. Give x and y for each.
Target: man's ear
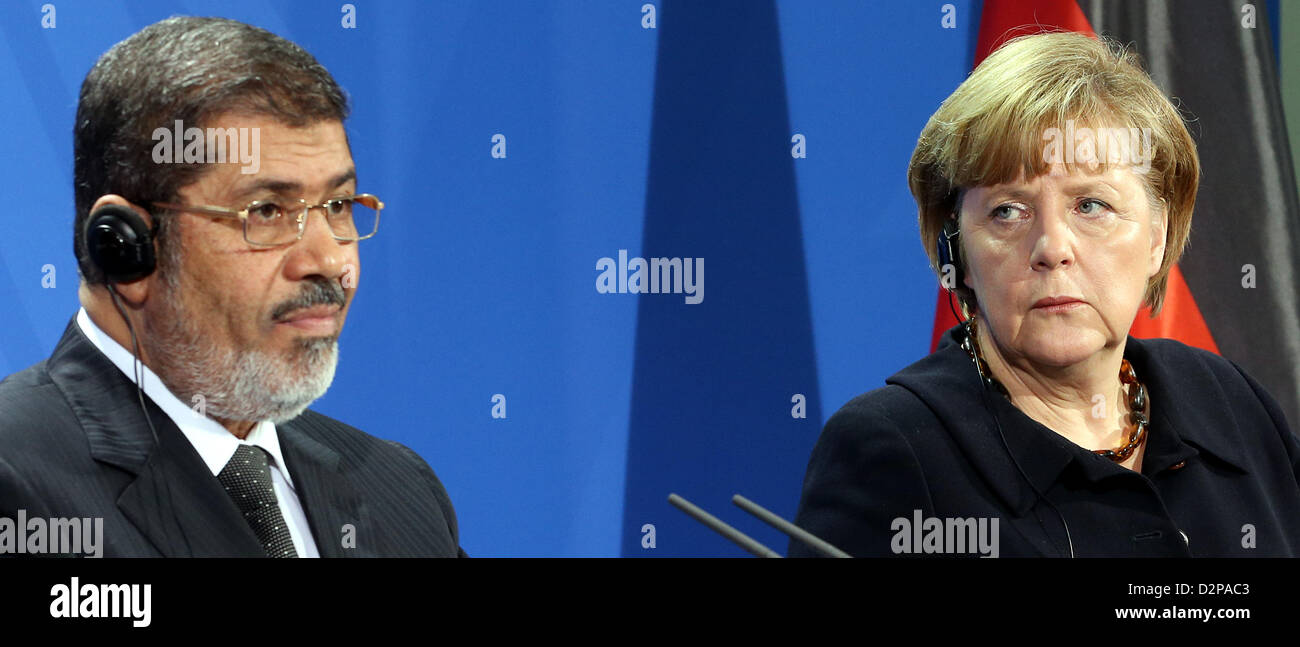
(136, 291)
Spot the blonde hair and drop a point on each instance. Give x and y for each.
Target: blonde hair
(992, 129)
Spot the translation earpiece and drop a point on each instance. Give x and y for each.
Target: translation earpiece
(120, 244)
(949, 248)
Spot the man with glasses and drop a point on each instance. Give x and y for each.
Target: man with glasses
(175, 405)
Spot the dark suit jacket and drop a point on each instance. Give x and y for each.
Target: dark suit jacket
(1220, 466)
(74, 443)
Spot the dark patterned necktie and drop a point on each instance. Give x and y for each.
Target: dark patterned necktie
(247, 479)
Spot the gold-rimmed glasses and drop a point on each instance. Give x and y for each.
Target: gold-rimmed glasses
(268, 223)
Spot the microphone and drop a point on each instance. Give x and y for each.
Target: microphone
(820, 545)
(746, 542)
(717, 525)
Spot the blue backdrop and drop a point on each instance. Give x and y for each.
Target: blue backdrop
(769, 139)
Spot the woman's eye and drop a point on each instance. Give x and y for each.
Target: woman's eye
(1091, 206)
(1007, 212)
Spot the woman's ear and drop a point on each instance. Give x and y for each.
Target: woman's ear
(1159, 236)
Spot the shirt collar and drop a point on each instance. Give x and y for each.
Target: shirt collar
(214, 443)
(1182, 410)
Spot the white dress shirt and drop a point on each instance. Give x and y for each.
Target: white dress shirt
(214, 443)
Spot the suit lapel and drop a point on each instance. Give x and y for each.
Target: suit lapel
(328, 499)
(177, 503)
(174, 500)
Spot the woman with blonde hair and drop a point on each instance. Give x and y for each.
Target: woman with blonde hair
(1055, 190)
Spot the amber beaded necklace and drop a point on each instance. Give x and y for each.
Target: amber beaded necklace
(1137, 396)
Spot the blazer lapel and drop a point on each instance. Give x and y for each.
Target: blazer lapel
(181, 507)
(328, 499)
(174, 501)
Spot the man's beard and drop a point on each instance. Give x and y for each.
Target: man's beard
(230, 384)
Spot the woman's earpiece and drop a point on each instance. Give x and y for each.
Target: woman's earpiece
(950, 251)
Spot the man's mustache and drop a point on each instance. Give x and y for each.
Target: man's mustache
(319, 292)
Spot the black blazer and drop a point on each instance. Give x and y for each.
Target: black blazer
(74, 443)
(1219, 474)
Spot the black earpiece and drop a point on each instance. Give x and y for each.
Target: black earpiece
(120, 244)
(949, 247)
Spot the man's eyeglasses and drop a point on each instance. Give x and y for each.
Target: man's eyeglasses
(268, 223)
